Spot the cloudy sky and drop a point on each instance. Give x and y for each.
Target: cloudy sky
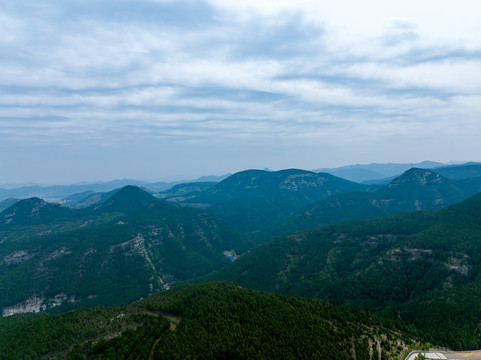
(159, 89)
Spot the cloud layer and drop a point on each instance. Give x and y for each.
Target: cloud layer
(249, 84)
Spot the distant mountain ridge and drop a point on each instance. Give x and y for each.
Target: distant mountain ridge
(5, 204)
(416, 189)
(357, 173)
(254, 199)
(33, 211)
(374, 171)
(59, 192)
(463, 171)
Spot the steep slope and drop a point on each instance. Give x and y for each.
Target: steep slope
(255, 199)
(390, 265)
(115, 262)
(416, 189)
(208, 321)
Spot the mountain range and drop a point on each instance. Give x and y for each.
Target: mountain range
(255, 199)
(59, 192)
(407, 251)
(397, 266)
(375, 172)
(416, 189)
(109, 253)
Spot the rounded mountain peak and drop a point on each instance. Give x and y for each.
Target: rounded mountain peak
(417, 176)
(128, 198)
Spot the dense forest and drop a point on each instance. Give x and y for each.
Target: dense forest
(216, 320)
(135, 250)
(416, 189)
(391, 280)
(397, 266)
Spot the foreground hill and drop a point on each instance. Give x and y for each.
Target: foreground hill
(255, 199)
(416, 189)
(135, 250)
(398, 266)
(207, 321)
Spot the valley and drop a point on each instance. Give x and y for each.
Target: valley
(405, 255)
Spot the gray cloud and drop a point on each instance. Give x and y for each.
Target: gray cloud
(194, 73)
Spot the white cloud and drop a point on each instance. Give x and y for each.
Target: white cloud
(194, 70)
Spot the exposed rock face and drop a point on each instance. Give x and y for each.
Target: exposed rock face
(16, 258)
(416, 176)
(32, 304)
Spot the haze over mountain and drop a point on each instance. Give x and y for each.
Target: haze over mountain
(416, 189)
(131, 244)
(108, 253)
(33, 211)
(58, 192)
(361, 173)
(4, 204)
(111, 105)
(254, 199)
(461, 171)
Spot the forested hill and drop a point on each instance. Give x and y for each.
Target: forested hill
(256, 199)
(207, 321)
(109, 254)
(33, 211)
(399, 266)
(127, 199)
(416, 189)
(463, 171)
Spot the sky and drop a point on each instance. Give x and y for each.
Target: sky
(168, 90)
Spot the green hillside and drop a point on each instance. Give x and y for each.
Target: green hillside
(183, 192)
(255, 199)
(397, 266)
(416, 189)
(206, 321)
(127, 199)
(33, 211)
(112, 262)
(87, 198)
(464, 171)
(34, 217)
